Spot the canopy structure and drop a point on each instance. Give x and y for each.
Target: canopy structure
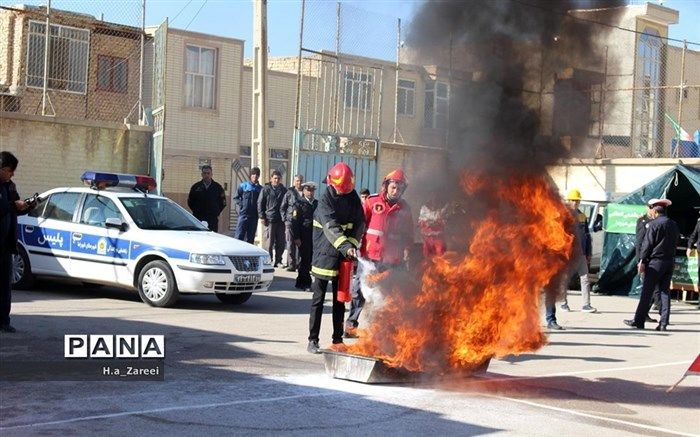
(618, 270)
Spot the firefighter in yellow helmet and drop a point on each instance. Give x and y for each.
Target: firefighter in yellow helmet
(582, 251)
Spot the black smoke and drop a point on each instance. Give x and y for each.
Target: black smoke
(501, 54)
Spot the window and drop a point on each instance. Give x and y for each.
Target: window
(406, 96)
(436, 105)
(61, 206)
(112, 74)
(200, 77)
(68, 57)
(358, 90)
(97, 209)
(648, 111)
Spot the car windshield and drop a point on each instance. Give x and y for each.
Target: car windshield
(160, 214)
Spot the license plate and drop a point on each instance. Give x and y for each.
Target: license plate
(246, 279)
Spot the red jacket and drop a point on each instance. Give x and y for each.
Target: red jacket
(389, 229)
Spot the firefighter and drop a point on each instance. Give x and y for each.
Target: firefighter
(302, 232)
(388, 238)
(431, 221)
(338, 226)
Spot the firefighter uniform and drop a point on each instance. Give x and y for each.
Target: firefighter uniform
(389, 233)
(338, 226)
(302, 229)
(431, 222)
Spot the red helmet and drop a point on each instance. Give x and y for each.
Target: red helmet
(341, 178)
(397, 176)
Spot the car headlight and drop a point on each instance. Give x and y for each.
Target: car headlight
(266, 260)
(201, 258)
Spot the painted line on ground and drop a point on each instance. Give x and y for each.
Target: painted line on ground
(584, 372)
(592, 416)
(165, 410)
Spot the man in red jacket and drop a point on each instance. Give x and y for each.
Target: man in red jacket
(388, 237)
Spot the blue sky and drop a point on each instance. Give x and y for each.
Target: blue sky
(233, 18)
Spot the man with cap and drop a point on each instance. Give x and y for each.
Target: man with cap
(656, 263)
(302, 232)
(582, 251)
(638, 239)
(338, 226)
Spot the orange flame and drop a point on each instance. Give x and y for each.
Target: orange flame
(469, 307)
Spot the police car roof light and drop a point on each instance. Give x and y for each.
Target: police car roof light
(102, 180)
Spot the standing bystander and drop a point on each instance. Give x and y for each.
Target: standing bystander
(246, 199)
(290, 198)
(10, 207)
(302, 231)
(656, 264)
(269, 211)
(207, 199)
(640, 229)
(581, 253)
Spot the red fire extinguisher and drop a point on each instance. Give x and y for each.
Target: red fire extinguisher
(344, 277)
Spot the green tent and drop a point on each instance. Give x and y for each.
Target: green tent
(618, 271)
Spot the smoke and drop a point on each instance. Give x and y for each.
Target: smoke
(501, 55)
(503, 59)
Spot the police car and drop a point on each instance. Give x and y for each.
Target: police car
(113, 232)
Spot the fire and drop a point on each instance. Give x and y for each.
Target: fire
(481, 303)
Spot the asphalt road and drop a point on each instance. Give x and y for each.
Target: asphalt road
(245, 371)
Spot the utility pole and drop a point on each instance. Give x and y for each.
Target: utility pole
(260, 152)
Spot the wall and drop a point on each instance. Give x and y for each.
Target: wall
(610, 179)
(194, 134)
(54, 152)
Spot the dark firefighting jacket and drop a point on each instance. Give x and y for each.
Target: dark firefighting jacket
(338, 226)
(389, 229)
(303, 218)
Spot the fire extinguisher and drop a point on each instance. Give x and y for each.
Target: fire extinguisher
(344, 277)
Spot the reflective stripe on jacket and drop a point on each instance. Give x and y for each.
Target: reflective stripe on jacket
(338, 226)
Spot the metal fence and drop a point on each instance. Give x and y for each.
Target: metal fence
(73, 59)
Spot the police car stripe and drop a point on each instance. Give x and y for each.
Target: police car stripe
(99, 261)
(56, 255)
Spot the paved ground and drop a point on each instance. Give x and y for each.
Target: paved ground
(244, 370)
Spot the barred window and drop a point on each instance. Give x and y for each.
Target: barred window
(68, 57)
(358, 90)
(112, 74)
(436, 105)
(200, 77)
(406, 96)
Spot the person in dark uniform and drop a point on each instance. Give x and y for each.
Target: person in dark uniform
(10, 207)
(339, 224)
(270, 213)
(656, 264)
(293, 195)
(638, 239)
(247, 200)
(207, 199)
(302, 232)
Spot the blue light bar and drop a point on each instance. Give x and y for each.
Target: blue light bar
(102, 180)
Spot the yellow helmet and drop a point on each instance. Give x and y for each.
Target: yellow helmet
(573, 194)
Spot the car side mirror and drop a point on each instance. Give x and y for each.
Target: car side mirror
(598, 223)
(115, 223)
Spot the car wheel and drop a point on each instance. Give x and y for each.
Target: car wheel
(22, 277)
(235, 299)
(157, 285)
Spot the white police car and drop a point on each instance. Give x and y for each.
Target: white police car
(113, 232)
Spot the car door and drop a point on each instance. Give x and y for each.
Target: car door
(98, 253)
(48, 237)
